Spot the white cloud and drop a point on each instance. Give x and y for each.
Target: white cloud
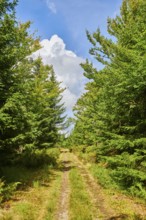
(51, 5)
(66, 66)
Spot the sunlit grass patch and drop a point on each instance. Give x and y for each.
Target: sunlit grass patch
(53, 200)
(80, 204)
(117, 199)
(38, 200)
(19, 175)
(25, 211)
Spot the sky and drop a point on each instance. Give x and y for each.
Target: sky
(61, 26)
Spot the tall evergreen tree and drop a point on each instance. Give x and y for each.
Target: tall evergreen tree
(47, 105)
(30, 108)
(113, 110)
(15, 45)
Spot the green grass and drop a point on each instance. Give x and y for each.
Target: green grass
(111, 189)
(24, 210)
(80, 204)
(103, 176)
(19, 176)
(26, 177)
(37, 202)
(53, 199)
(37, 193)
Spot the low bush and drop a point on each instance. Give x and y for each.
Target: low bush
(7, 190)
(88, 154)
(102, 174)
(38, 158)
(1, 190)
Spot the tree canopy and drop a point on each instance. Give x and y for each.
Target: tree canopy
(111, 115)
(31, 111)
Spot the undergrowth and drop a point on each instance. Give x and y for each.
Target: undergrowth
(123, 179)
(26, 170)
(39, 201)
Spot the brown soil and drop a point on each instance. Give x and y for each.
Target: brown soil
(63, 203)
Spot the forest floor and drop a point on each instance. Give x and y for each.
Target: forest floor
(71, 193)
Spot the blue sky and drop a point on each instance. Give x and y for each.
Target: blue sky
(68, 19)
(62, 25)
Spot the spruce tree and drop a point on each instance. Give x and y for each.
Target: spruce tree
(114, 105)
(30, 96)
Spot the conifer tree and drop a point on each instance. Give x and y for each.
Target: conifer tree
(47, 105)
(15, 45)
(30, 96)
(113, 111)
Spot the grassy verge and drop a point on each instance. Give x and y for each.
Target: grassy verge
(39, 201)
(116, 198)
(103, 176)
(53, 200)
(36, 195)
(80, 205)
(129, 207)
(24, 170)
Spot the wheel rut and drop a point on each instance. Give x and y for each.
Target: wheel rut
(102, 210)
(62, 212)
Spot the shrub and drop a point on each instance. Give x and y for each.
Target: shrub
(38, 158)
(102, 174)
(6, 191)
(1, 190)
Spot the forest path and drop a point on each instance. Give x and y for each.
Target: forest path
(101, 210)
(105, 207)
(62, 212)
(69, 192)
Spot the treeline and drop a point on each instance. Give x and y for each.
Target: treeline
(111, 115)
(30, 96)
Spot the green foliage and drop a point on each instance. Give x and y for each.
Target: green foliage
(100, 172)
(7, 190)
(20, 177)
(1, 190)
(54, 153)
(24, 175)
(111, 115)
(38, 158)
(36, 184)
(31, 113)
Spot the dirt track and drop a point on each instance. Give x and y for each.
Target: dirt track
(102, 209)
(63, 203)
